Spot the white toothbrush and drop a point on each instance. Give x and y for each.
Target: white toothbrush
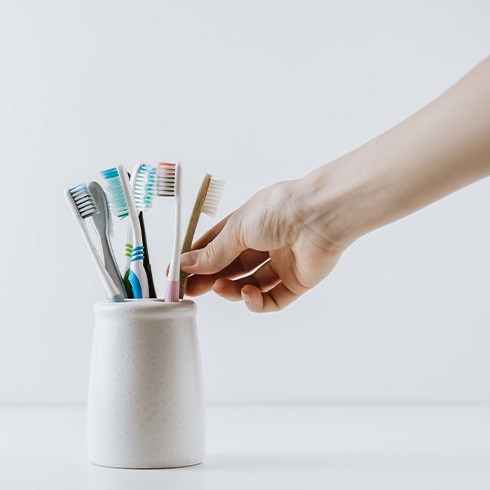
(121, 204)
(168, 185)
(82, 205)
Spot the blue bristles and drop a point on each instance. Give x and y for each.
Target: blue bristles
(144, 186)
(115, 193)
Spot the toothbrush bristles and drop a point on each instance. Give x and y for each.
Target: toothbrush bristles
(213, 197)
(115, 193)
(144, 186)
(84, 201)
(166, 179)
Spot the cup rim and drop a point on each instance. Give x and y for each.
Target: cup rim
(146, 304)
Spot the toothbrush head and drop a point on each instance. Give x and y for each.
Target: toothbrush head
(213, 197)
(167, 181)
(144, 184)
(84, 201)
(103, 220)
(115, 193)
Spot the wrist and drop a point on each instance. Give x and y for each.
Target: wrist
(329, 202)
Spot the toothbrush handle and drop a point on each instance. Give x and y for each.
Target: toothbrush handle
(110, 264)
(191, 228)
(110, 287)
(173, 281)
(146, 261)
(128, 249)
(137, 275)
(172, 292)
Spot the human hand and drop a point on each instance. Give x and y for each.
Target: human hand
(288, 237)
(276, 253)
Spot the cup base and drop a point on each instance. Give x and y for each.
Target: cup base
(144, 467)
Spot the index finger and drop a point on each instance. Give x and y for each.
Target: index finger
(211, 234)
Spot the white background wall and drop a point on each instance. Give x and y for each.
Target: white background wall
(253, 92)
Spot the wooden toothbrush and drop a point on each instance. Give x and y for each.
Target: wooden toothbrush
(207, 202)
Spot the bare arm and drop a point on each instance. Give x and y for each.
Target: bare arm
(296, 231)
(441, 148)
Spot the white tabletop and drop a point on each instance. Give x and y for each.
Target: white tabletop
(268, 446)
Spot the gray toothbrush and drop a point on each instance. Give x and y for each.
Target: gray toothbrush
(102, 223)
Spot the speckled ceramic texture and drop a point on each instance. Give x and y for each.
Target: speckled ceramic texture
(146, 403)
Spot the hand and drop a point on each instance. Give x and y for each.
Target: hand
(288, 237)
(268, 241)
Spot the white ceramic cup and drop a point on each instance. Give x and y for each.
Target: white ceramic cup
(146, 403)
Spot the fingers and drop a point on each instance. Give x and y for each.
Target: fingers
(218, 253)
(261, 291)
(274, 300)
(244, 263)
(211, 234)
(264, 278)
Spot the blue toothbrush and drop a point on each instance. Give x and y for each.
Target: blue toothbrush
(143, 184)
(121, 204)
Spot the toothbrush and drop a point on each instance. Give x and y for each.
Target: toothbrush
(128, 251)
(168, 185)
(83, 206)
(143, 183)
(103, 225)
(207, 202)
(142, 186)
(121, 204)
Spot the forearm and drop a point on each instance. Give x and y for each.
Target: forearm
(443, 147)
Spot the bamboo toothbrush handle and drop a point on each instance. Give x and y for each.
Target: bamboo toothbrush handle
(191, 228)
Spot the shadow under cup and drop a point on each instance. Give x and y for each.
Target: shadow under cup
(146, 403)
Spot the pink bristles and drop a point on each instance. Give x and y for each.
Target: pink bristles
(166, 179)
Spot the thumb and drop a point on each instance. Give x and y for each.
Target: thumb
(217, 254)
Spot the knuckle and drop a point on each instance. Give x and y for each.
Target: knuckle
(235, 231)
(209, 254)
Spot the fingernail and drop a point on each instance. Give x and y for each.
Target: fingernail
(188, 259)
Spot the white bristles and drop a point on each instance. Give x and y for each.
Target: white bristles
(84, 201)
(166, 180)
(213, 197)
(82, 205)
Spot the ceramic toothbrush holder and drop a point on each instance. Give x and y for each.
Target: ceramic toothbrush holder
(146, 404)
